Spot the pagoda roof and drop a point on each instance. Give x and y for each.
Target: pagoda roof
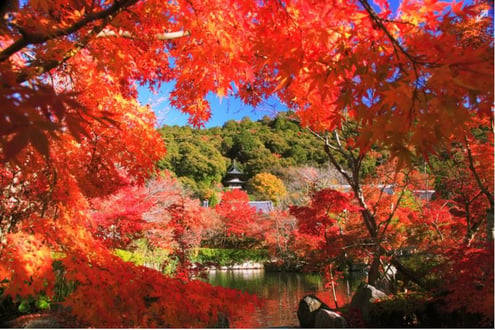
(233, 169)
(234, 180)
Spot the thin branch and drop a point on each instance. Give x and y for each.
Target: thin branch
(47, 66)
(394, 209)
(398, 48)
(333, 160)
(379, 21)
(435, 225)
(353, 181)
(476, 176)
(32, 38)
(159, 36)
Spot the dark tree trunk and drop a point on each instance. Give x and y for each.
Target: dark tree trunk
(374, 271)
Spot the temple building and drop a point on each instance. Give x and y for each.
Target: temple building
(262, 206)
(233, 178)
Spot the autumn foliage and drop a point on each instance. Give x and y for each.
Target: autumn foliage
(455, 262)
(268, 187)
(77, 147)
(241, 225)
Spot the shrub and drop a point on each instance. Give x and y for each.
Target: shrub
(226, 257)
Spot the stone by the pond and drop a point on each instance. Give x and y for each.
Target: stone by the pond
(44, 323)
(363, 298)
(329, 319)
(223, 322)
(308, 308)
(34, 321)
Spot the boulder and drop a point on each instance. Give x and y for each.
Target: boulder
(308, 308)
(363, 298)
(329, 319)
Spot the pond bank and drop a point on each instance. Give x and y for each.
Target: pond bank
(280, 292)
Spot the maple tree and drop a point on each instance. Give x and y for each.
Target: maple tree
(464, 178)
(465, 184)
(371, 191)
(241, 223)
(118, 219)
(160, 211)
(71, 129)
(279, 232)
(470, 289)
(381, 219)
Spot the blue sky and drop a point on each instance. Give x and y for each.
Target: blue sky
(228, 108)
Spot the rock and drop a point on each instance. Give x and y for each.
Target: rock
(222, 322)
(363, 298)
(329, 319)
(308, 308)
(43, 323)
(34, 321)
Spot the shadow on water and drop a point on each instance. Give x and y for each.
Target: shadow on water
(282, 291)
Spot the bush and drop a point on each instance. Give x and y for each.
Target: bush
(226, 257)
(143, 255)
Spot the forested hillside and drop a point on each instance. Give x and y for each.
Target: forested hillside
(201, 157)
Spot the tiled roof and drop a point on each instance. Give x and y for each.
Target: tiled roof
(262, 206)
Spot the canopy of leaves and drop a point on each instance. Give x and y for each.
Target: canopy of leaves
(71, 128)
(242, 225)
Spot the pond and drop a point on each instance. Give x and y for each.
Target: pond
(281, 292)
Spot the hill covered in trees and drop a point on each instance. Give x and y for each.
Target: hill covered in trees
(201, 157)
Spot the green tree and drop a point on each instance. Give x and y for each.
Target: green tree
(199, 161)
(258, 146)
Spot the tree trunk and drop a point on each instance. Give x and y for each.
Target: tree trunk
(490, 230)
(374, 271)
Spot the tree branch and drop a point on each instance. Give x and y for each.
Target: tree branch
(393, 210)
(485, 191)
(42, 68)
(353, 181)
(159, 36)
(32, 38)
(394, 41)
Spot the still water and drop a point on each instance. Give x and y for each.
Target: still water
(281, 293)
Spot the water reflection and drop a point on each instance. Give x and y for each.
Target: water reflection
(281, 292)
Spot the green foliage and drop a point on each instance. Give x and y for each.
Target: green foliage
(63, 287)
(193, 155)
(128, 256)
(399, 311)
(422, 265)
(201, 155)
(143, 254)
(34, 304)
(226, 257)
